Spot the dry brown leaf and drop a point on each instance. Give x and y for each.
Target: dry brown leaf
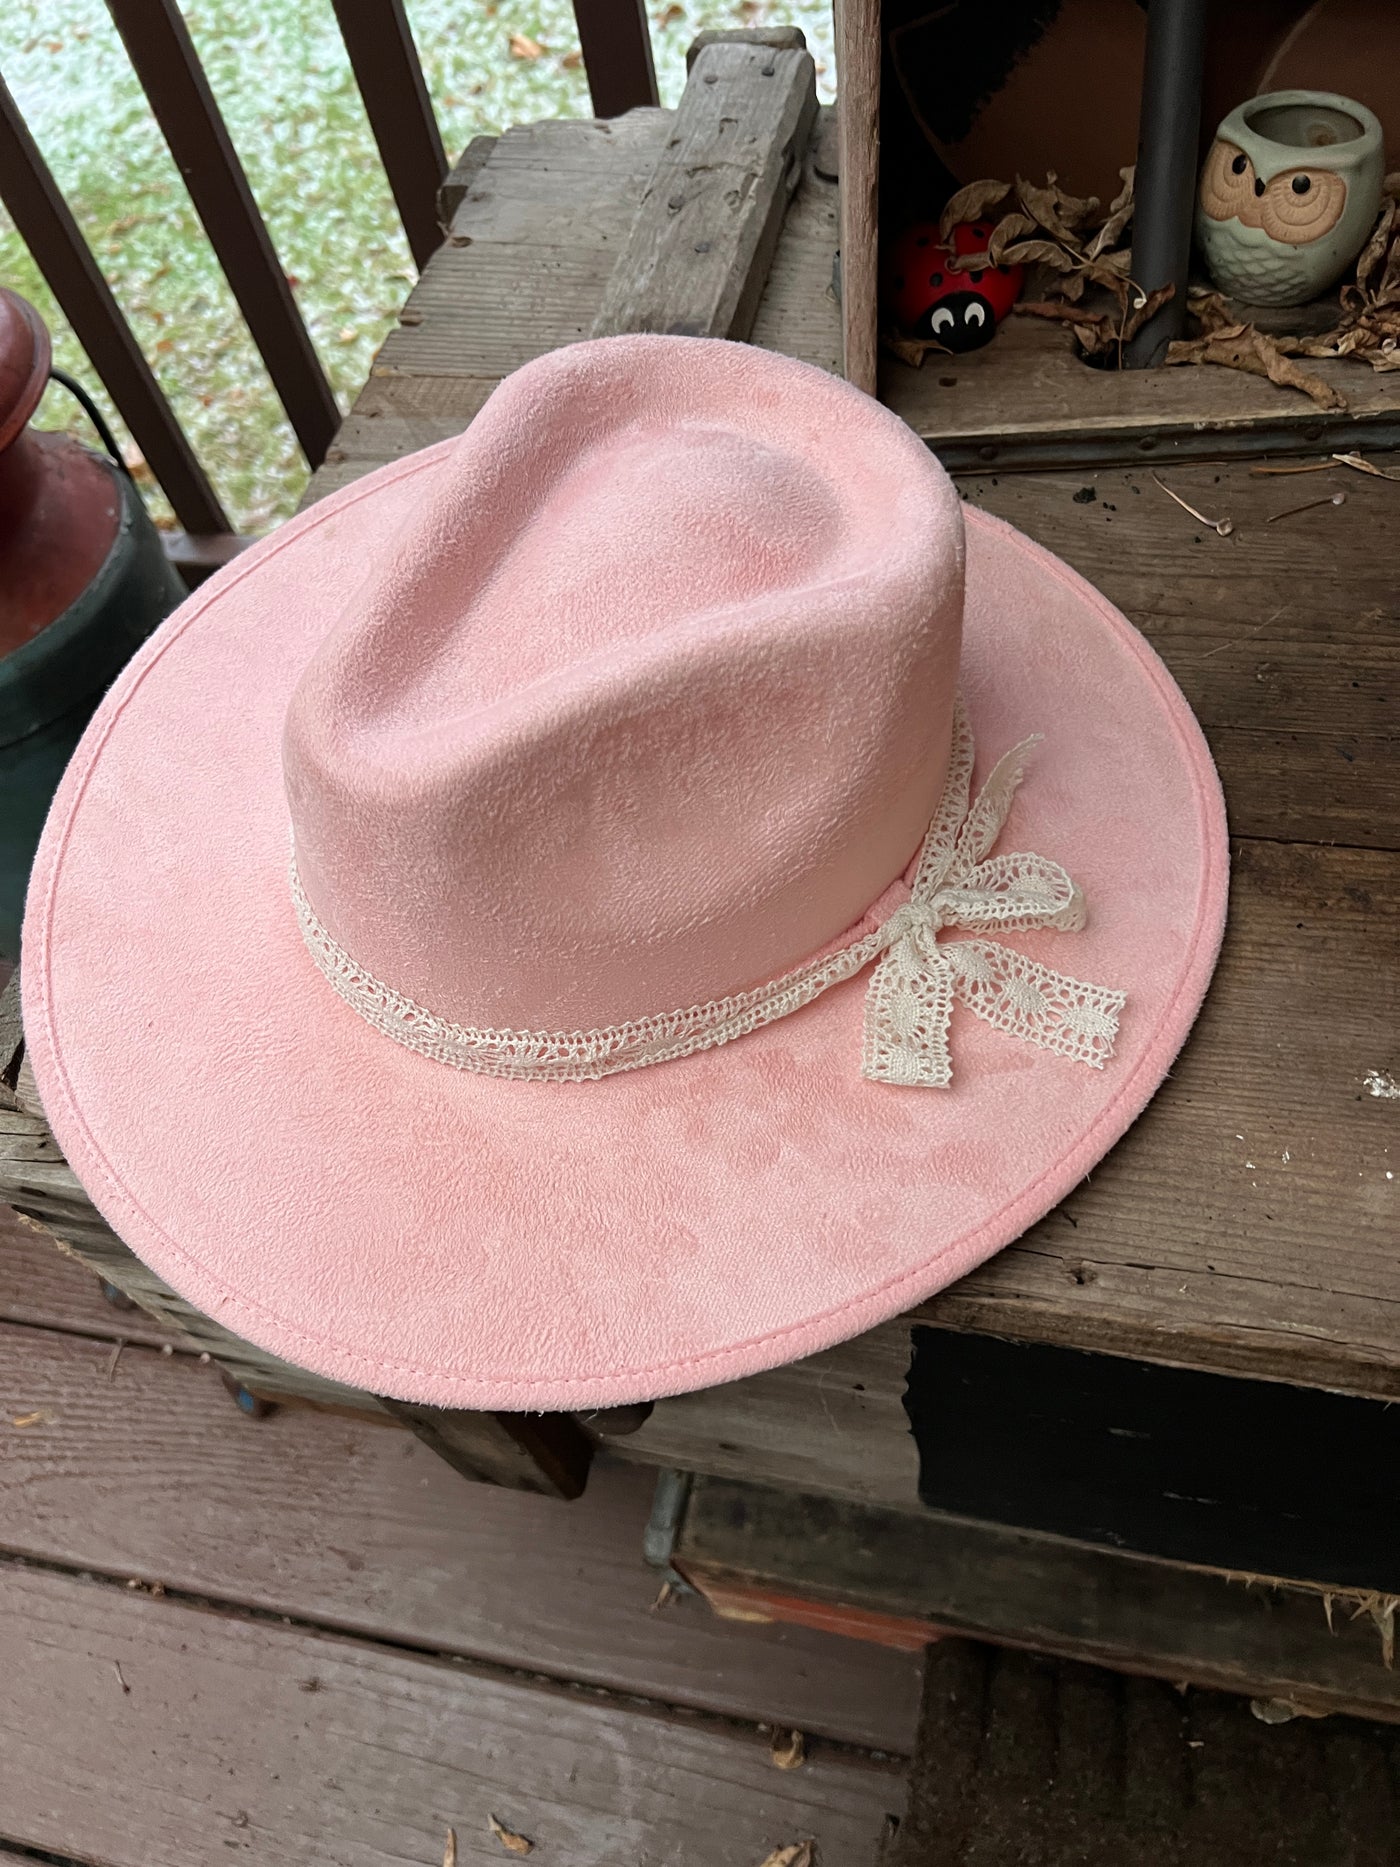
(522, 46)
(1245, 348)
(1075, 210)
(509, 1840)
(1377, 246)
(572, 60)
(36, 1418)
(1010, 227)
(1120, 213)
(669, 15)
(788, 1750)
(796, 1854)
(1058, 213)
(971, 203)
(1065, 314)
(449, 1853)
(1384, 360)
(1039, 253)
(1152, 303)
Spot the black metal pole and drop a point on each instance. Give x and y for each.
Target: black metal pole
(1168, 150)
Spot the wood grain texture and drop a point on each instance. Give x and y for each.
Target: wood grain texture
(149, 1733)
(698, 253)
(858, 47)
(544, 1452)
(42, 1286)
(147, 1470)
(1027, 397)
(1293, 670)
(1244, 1225)
(1119, 1610)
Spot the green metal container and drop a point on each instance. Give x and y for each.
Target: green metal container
(51, 684)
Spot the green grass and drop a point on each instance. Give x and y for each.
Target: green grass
(282, 80)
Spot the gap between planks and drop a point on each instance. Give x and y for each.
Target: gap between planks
(152, 1733)
(149, 1473)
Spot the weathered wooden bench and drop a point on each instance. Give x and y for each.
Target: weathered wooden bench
(1244, 1233)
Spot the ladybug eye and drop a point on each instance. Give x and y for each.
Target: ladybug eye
(942, 320)
(975, 313)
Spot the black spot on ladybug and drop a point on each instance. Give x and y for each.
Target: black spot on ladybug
(1003, 270)
(935, 278)
(976, 277)
(981, 230)
(1258, 186)
(922, 240)
(1302, 183)
(1239, 165)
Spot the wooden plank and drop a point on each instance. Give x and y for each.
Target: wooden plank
(700, 247)
(46, 1289)
(146, 1470)
(1196, 1242)
(1293, 672)
(149, 1733)
(42, 1187)
(544, 1452)
(1027, 400)
(11, 1041)
(858, 53)
(456, 184)
(1239, 1634)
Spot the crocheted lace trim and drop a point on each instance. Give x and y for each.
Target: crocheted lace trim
(912, 990)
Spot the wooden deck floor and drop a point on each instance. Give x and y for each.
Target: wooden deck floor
(304, 1640)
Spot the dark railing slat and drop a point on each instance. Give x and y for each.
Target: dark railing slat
(41, 216)
(382, 54)
(177, 90)
(615, 40)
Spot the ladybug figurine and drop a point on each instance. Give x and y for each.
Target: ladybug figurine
(958, 310)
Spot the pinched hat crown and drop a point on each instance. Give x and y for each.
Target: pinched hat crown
(650, 702)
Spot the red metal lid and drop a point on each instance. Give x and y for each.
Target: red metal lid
(24, 363)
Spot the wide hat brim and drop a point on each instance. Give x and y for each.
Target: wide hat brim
(465, 1241)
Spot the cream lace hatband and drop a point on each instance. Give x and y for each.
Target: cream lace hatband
(909, 1004)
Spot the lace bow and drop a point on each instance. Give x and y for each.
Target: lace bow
(909, 1005)
(910, 1000)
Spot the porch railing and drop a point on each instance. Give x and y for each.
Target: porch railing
(615, 42)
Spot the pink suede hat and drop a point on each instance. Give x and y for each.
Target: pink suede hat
(530, 934)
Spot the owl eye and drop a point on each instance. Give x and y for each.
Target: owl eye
(1302, 205)
(1228, 186)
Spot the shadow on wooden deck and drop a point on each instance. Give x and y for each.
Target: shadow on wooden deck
(304, 1639)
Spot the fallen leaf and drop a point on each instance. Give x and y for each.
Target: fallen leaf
(788, 1750)
(29, 1419)
(572, 60)
(1120, 212)
(509, 1840)
(971, 203)
(669, 16)
(1152, 303)
(796, 1854)
(1040, 253)
(449, 1853)
(521, 46)
(1058, 213)
(346, 335)
(1242, 347)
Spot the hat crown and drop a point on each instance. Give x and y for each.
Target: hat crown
(649, 702)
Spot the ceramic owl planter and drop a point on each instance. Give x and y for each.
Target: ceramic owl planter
(1289, 192)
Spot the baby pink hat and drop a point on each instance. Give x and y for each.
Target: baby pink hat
(531, 935)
